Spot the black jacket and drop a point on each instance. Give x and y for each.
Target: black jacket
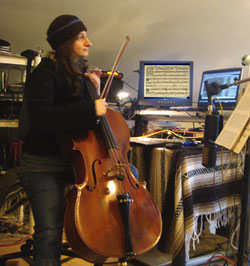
(52, 108)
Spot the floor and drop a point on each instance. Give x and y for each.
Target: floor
(13, 234)
(208, 246)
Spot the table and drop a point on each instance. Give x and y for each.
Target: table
(188, 193)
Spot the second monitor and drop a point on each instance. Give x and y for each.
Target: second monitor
(228, 96)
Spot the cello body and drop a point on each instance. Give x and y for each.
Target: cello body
(109, 213)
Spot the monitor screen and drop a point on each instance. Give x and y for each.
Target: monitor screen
(165, 83)
(228, 96)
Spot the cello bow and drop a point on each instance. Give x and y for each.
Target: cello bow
(114, 68)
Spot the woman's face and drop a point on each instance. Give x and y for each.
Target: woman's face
(81, 44)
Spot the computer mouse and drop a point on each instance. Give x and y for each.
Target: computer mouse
(189, 143)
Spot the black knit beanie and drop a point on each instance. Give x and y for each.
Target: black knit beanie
(64, 28)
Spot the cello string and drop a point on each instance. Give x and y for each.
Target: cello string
(109, 138)
(103, 120)
(113, 149)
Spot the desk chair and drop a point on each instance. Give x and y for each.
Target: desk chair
(27, 251)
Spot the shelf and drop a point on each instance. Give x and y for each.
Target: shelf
(9, 123)
(13, 59)
(11, 96)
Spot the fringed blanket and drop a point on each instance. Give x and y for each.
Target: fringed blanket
(193, 193)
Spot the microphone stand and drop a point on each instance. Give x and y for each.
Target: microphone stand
(213, 89)
(244, 200)
(237, 82)
(213, 126)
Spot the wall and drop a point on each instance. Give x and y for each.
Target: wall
(212, 33)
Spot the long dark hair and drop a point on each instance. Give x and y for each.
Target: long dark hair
(73, 70)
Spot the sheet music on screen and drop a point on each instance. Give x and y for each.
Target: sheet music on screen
(165, 84)
(167, 81)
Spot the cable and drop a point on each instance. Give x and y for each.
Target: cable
(221, 107)
(248, 257)
(215, 192)
(216, 255)
(130, 86)
(167, 130)
(232, 236)
(189, 132)
(17, 242)
(227, 164)
(220, 256)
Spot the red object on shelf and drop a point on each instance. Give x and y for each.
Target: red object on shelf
(16, 152)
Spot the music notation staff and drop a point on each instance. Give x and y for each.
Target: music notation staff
(166, 81)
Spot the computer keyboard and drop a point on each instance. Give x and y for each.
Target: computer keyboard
(153, 141)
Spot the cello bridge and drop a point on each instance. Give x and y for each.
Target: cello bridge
(116, 170)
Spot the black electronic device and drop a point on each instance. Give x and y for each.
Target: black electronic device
(165, 83)
(213, 127)
(115, 88)
(227, 96)
(9, 110)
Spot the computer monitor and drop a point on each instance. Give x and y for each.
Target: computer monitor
(165, 83)
(228, 96)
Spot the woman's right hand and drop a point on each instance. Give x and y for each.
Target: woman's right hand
(101, 107)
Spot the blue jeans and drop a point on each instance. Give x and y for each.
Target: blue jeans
(46, 195)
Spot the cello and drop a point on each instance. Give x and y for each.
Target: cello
(110, 216)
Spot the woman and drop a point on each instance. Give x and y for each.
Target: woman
(57, 100)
